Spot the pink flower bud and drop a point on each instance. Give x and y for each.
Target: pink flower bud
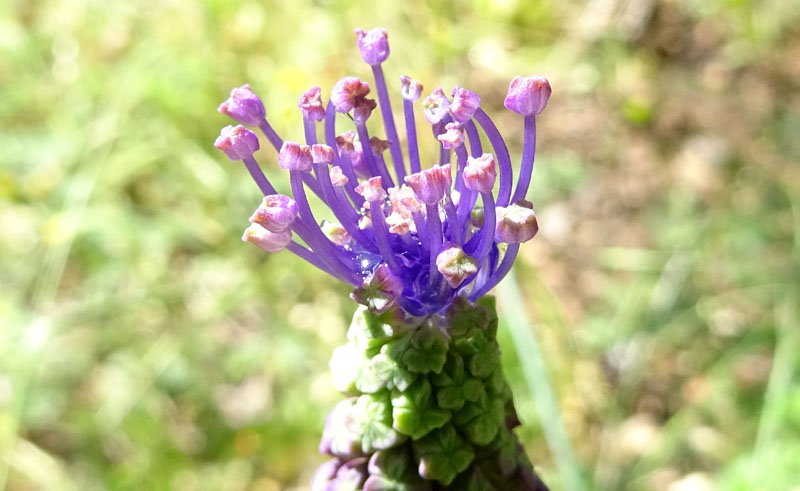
(410, 89)
(465, 103)
(363, 109)
(276, 213)
(349, 145)
(528, 95)
(338, 178)
(453, 137)
(294, 156)
(480, 173)
(431, 184)
(237, 142)
(455, 266)
(310, 104)
(244, 106)
(347, 92)
(266, 240)
(321, 154)
(379, 146)
(372, 189)
(516, 223)
(436, 106)
(373, 45)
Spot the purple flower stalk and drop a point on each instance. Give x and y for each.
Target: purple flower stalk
(352, 178)
(428, 406)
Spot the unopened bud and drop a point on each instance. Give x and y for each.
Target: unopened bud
(436, 106)
(516, 223)
(453, 137)
(528, 95)
(338, 178)
(373, 45)
(276, 213)
(465, 103)
(310, 104)
(379, 146)
(336, 233)
(244, 106)
(455, 265)
(480, 173)
(321, 154)
(410, 89)
(294, 156)
(372, 189)
(266, 240)
(347, 92)
(431, 184)
(237, 142)
(363, 109)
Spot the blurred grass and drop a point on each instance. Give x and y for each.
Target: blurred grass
(144, 347)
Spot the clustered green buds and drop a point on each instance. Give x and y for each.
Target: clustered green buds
(428, 409)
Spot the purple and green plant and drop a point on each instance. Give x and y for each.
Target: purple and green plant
(428, 406)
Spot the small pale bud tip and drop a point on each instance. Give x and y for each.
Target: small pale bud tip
(372, 189)
(455, 265)
(453, 137)
(294, 156)
(373, 45)
(430, 185)
(528, 95)
(436, 106)
(321, 154)
(237, 142)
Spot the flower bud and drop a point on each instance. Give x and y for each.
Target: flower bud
(347, 92)
(321, 154)
(310, 104)
(480, 173)
(453, 137)
(455, 266)
(410, 89)
(244, 106)
(516, 223)
(379, 146)
(266, 240)
(363, 109)
(465, 103)
(237, 142)
(436, 106)
(373, 45)
(276, 213)
(431, 184)
(338, 178)
(528, 95)
(294, 156)
(372, 189)
(349, 145)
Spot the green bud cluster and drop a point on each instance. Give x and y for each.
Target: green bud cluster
(428, 407)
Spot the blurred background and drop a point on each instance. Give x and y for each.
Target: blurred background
(144, 346)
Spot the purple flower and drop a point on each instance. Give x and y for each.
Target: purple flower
(406, 234)
(237, 142)
(374, 45)
(528, 95)
(244, 106)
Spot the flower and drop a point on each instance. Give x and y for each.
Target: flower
(407, 235)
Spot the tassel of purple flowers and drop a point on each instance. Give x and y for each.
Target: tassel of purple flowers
(421, 245)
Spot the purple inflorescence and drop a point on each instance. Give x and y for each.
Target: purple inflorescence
(413, 228)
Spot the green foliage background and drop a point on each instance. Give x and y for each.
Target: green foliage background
(143, 346)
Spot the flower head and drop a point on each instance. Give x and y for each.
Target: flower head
(404, 236)
(237, 142)
(373, 45)
(528, 95)
(244, 106)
